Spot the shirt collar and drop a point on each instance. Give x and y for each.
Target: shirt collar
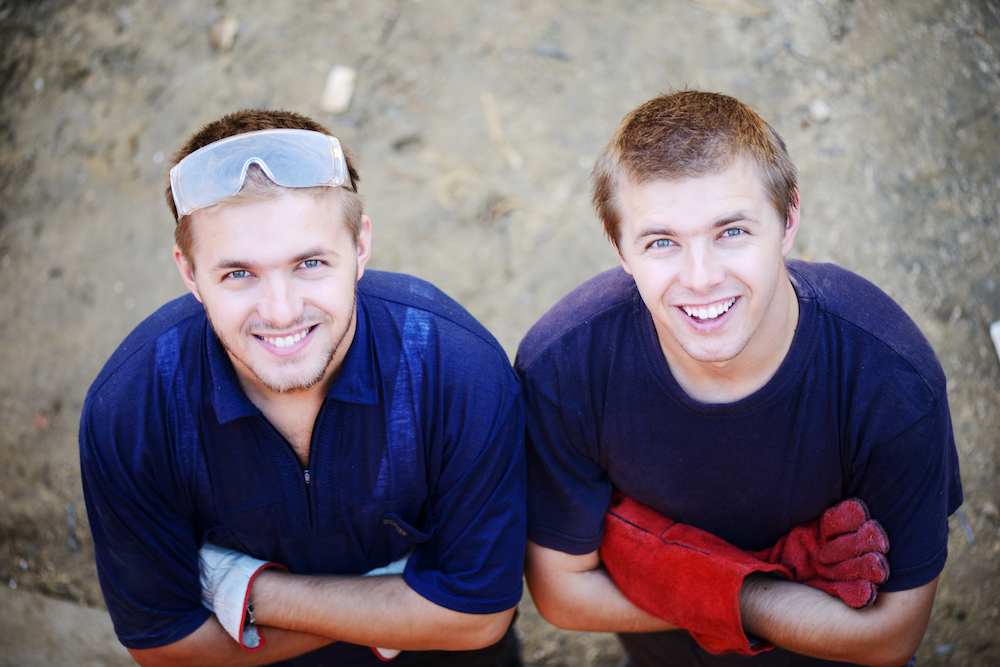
(356, 382)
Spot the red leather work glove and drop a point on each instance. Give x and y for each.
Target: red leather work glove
(842, 553)
(681, 574)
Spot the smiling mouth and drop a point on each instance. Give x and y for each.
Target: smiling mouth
(286, 341)
(703, 314)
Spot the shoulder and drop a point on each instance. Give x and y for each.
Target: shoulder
(869, 323)
(608, 299)
(130, 413)
(150, 347)
(420, 314)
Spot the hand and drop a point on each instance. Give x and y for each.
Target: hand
(841, 553)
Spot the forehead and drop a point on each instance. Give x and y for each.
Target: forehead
(278, 217)
(737, 183)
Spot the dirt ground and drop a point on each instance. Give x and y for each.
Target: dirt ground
(476, 125)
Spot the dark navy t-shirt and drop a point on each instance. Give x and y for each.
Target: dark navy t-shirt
(857, 408)
(418, 446)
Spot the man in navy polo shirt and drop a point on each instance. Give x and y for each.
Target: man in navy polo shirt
(724, 388)
(295, 422)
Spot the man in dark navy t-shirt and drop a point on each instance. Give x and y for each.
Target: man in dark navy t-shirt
(253, 448)
(733, 392)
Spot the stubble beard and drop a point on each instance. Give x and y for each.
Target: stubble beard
(272, 382)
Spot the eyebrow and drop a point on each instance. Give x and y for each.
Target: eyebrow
(229, 264)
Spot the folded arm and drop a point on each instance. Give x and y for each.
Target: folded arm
(372, 611)
(807, 621)
(298, 613)
(211, 646)
(576, 593)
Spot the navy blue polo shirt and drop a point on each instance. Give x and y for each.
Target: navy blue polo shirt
(418, 446)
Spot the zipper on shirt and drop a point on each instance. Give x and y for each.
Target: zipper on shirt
(308, 519)
(307, 477)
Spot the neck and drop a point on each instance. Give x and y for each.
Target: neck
(293, 415)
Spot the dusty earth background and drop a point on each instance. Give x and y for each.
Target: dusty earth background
(476, 125)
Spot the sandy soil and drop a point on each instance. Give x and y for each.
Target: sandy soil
(476, 125)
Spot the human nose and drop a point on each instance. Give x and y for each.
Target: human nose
(280, 304)
(702, 269)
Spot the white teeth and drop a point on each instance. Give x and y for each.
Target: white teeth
(709, 313)
(288, 341)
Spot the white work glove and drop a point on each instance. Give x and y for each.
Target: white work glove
(226, 577)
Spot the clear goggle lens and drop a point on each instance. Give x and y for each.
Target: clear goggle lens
(290, 158)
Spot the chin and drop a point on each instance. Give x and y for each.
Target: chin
(714, 355)
(286, 383)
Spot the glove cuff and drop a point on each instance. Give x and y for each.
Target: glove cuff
(682, 575)
(249, 636)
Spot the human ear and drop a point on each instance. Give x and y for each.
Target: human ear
(621, 258)
(792, 218)
(186, 269)
(364, 244)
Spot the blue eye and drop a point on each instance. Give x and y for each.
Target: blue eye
(663, 243)
(733, 232)
(310, 263)
(239, 273)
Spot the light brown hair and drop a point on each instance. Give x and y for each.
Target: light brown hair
(688, 134)
(257, 184)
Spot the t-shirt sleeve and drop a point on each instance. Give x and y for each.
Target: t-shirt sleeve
(145, 547)
(568, 490)
(911, 484)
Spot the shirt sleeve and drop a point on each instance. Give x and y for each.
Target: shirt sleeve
(145, 546)
(472, 559)
(911, 484)
(568, 490)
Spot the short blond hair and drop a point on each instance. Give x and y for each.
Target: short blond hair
(688, 134)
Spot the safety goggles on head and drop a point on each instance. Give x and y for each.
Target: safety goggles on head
(290, 158)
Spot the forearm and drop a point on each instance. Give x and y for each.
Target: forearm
(211, 646)
(576, 593)
(590, 602)
(807, 621)
(372, 611)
